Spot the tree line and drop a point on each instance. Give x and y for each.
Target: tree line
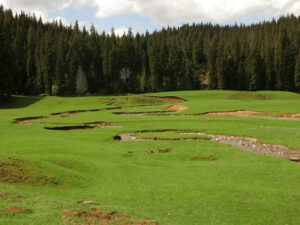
(53, 59)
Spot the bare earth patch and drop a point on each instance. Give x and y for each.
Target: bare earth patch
(177, 108)
(232, 113)
(13, 210)
(97, 216)
(291, 115)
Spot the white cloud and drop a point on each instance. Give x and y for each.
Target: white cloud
(40, 8)
(85, 24)
(169, 12)
(29, 5)
(120, 31)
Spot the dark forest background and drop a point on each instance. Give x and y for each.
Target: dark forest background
(49, 58)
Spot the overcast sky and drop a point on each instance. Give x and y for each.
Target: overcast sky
(142, 15)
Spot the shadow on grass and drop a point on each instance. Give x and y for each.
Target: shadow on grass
(20, 102)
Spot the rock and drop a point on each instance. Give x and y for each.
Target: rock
(294, 159)
(87, 202)
(150, 152)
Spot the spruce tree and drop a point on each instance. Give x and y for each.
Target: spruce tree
(30, 65)
(297, 73)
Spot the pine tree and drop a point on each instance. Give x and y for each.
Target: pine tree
(58, 87)
(256, 71)
(6, 58)
(30, 65)
(297, 73)
(20, 60)
(212, 68)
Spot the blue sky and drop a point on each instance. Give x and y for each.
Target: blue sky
(142, 15)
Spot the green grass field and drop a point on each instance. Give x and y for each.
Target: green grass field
(198, 182)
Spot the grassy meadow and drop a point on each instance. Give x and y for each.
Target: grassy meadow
(47, 171)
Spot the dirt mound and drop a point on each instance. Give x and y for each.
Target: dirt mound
(172, 99)
(97, 216)
(15, 170)
(177, 108)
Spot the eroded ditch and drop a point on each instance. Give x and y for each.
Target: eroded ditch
(169, 111)
(85, 126)
(172, 99)
(242, 143)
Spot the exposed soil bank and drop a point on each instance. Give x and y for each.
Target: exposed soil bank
(86, 126)
(243, 143)
(84, 111)
(26, 120)
(237, 113)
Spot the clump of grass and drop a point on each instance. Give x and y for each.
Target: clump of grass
(17, 171)
(204, 158)
(166, 150)
(247, 96)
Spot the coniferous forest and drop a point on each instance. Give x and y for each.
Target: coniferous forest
(49, 58)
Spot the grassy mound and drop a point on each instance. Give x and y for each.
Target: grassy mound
(134, 100)
(247, 96)
(15, 171)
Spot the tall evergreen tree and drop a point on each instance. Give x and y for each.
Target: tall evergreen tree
(297, 73)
